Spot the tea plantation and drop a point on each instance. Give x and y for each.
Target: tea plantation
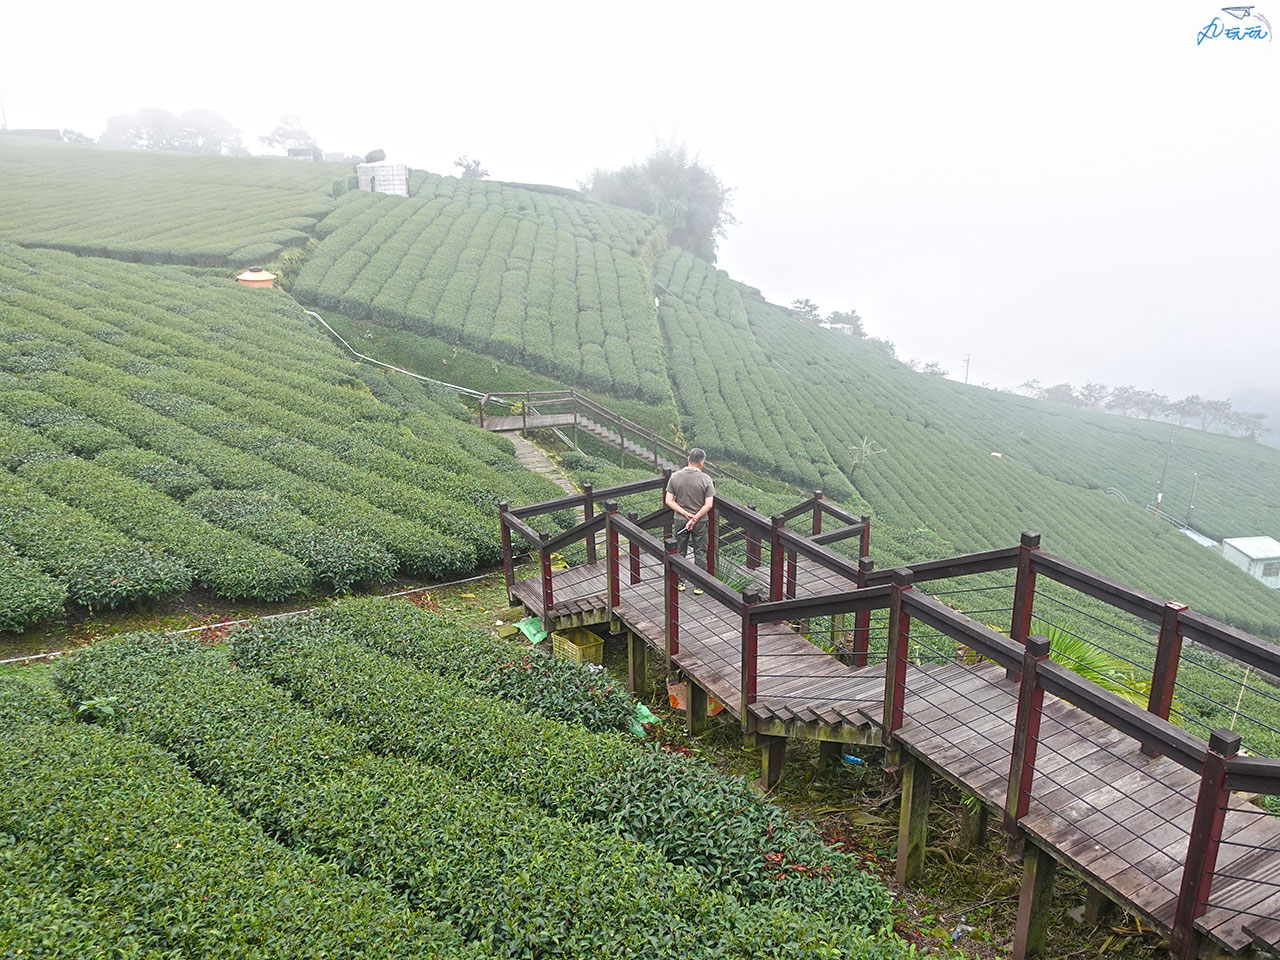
(161, 430)
(158, 207)
(318, 815)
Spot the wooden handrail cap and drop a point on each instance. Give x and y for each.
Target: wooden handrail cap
(1030, 538)
(1224, 742)
(1038, 646)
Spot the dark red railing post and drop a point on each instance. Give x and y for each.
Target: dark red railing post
(666, 479)
(589, 511)
(1165, 673)
(544, 556)
(1026, 739)
(862, 618)
(750, 653)
(791, 575)
(1024, 592)
(633, 550)
(482, 400)
(895, 669)
(775, 557)
(711, 541)
(508, 566)
(817, 512)
(1202, 849)
(864, 538)
(612, 551)
(753, 545)
(672, 597)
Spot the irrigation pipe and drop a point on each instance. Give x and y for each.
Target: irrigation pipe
(278, 616)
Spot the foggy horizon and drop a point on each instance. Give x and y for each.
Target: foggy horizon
(1080, 200)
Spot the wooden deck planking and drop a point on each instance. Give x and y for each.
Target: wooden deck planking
(1118, 817)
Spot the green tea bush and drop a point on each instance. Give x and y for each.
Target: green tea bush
(339, 560)
(683, 808)
(508, 877)
(110, 841)
(553, 688)
(27, 594)
(102, 568)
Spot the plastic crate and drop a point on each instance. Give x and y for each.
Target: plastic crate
(577, 644)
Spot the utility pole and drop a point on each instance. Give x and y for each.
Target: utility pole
(966, 368)
(1191, 504)
(1164, 473)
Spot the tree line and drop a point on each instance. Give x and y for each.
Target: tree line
(1129, 400)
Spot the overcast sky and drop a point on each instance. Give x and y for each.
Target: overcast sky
(1066, 192)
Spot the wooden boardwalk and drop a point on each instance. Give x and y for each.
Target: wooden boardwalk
(1119, 818)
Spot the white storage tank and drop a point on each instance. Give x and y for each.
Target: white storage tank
(383, 177)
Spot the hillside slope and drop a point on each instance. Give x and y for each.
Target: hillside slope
(159, 207)
(158, 429)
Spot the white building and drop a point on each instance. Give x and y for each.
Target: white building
(1257, 556)
(383, 177)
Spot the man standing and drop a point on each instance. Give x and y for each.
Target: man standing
(691, 494)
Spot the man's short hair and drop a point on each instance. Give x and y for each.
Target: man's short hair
(697, 455)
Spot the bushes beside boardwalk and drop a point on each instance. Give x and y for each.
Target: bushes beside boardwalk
(114, 850)
(684, 809)
(509, 877)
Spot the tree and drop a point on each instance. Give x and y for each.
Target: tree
(806, 310)
(680, 191)
(1122, 400)
(1061, 393)
(1250, 425)
(471, 169)
(289, 132)
(1030, 387)
(196, 131)
(934, 369)
(1214, 411)
(1092, 394)
(846, 318)
(1149, 403)
(75, 136)
(375, 156)
(1188, 408)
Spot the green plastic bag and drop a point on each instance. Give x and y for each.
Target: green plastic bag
(532, 628)
(643, 715)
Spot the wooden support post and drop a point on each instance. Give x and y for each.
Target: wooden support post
(662, 494)
(817, 512)
(791, 575)
(1165, 673)
(1035, 904)
(837, 638)
(524, 414)
(671, 611)
(589, 511)
(895, 670)
(695, 709)
(1097, 906)
(573, 394)
(913, 819)
(775, 557)
(633, 550)
(612, 550)
(544, 555)
(973, 824)
(1026, 741)
(656, 467)
(482, 400)
(830, 753)
(773, 756)
(864, 538)
(1202, 850)
(637, 662)
(711, 541)
(508, 566)
(753, 545)
(1024, 592)
(750, 654)
(862, 618)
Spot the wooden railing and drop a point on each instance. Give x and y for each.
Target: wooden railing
(770, 545)
(583, 409)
